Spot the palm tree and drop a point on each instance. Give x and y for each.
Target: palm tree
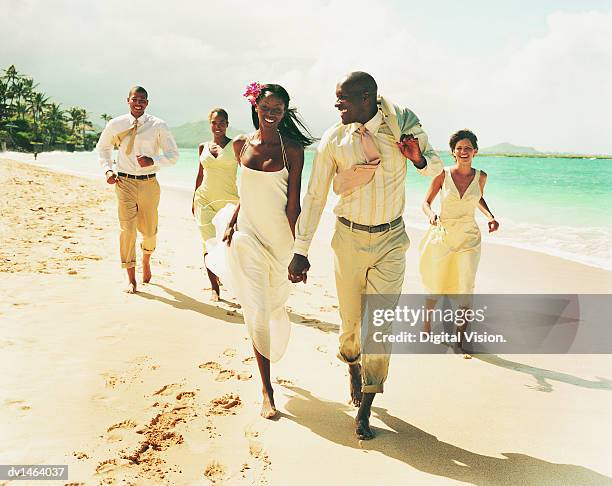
(85, 123)
(75, 115)
(54, 118)
(106, 117)
(21, 110)
(38, 103)
(3, 98)
(11, 75)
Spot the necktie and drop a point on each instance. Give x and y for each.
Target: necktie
(370, 151)
(132, 136)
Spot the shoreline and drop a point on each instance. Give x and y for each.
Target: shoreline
(410, 223)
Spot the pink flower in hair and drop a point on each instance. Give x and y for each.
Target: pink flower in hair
(252, 92)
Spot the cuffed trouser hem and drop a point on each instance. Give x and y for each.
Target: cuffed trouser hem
(145, 251)
(372, 388)
(128, 265)
(353, 361)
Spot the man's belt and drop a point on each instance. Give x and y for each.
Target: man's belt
(137, 177)
(371, 229)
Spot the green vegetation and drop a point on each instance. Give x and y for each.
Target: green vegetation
(31, 122)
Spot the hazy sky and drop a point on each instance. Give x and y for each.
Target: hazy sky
(536, 73)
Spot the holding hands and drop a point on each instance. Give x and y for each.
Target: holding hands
(298, 269)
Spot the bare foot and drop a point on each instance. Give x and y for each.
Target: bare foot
(131, 274)
(146, 268)
(131, 288)
(362, 420)
(355, 384)
(362, 429)
(214, 285)
(268, 410)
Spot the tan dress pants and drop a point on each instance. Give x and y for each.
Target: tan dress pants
(366, 263)
(137, 202)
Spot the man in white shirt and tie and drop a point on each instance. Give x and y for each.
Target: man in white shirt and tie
(144, 144)
(365, 157)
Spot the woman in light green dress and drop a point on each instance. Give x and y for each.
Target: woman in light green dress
(450, 249)
(215, 184)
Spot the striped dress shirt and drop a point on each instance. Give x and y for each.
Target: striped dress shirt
(381, 200)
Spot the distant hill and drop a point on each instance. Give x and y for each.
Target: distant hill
(190, 135)
(508, 148)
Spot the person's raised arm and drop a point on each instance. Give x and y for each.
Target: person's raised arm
(432, 192)
(415, 146)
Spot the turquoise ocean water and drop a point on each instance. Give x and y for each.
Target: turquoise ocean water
(551, 205)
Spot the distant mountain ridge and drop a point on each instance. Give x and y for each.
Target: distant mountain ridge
(508, 148)
(190, 135)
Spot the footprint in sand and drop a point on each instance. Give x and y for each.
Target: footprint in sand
(322, 349)
(225, 375)
(159, 435)
(229, 352)
(212, 430)
(257, 451)
(126, 424)
(167, 389)
(108, 466)
(228, 404)
(81, 456)
(112, 380)
(185, 395)
(21, 405)
(210, 366)
(283, 381)
(249, 360)
(250, 433)
(215, 472)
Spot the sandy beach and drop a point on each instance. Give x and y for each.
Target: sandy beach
(162, 387)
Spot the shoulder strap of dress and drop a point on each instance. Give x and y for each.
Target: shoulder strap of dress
(283, 150)
(243, 149)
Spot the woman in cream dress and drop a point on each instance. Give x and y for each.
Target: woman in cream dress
(450, 249)
(260, 233)
(215, 183)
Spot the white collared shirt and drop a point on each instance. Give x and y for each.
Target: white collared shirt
(380, 201)
(153, 139)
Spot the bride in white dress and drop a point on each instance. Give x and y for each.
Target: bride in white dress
(261, 231)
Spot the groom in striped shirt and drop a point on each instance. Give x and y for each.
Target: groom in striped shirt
(364, 155)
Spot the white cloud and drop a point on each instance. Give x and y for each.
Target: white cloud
(548, 92)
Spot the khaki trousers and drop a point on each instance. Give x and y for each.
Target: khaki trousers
(137, 202)
(366, 263)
